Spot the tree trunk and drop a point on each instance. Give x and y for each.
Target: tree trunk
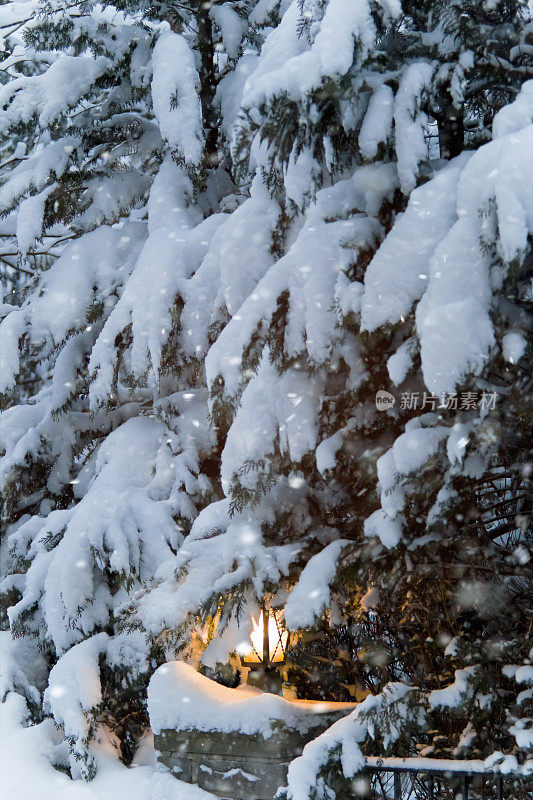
(208, 83)
(451, 132)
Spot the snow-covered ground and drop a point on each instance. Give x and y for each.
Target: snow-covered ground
(26, 772)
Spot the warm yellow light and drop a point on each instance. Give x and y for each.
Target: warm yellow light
(277, 640)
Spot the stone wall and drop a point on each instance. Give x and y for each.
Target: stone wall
(235, 765)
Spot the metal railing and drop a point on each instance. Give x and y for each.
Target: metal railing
(431, 779)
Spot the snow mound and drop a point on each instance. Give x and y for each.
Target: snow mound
(28, 753)
(179, 697)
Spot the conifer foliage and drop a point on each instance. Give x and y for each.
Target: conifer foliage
(282, 339)
(107, 466)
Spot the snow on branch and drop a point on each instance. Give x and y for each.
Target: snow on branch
(311, 595)
(175, 96)
(47, 96)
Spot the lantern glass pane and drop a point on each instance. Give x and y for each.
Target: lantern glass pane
(276, 635)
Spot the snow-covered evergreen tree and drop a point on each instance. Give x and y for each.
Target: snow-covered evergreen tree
(15, 276)
(263, 241)
(126, 123)
(382, 520)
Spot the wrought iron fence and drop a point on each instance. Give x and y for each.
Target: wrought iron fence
(386, 779)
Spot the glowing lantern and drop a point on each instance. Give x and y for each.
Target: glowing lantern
(267, 652)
